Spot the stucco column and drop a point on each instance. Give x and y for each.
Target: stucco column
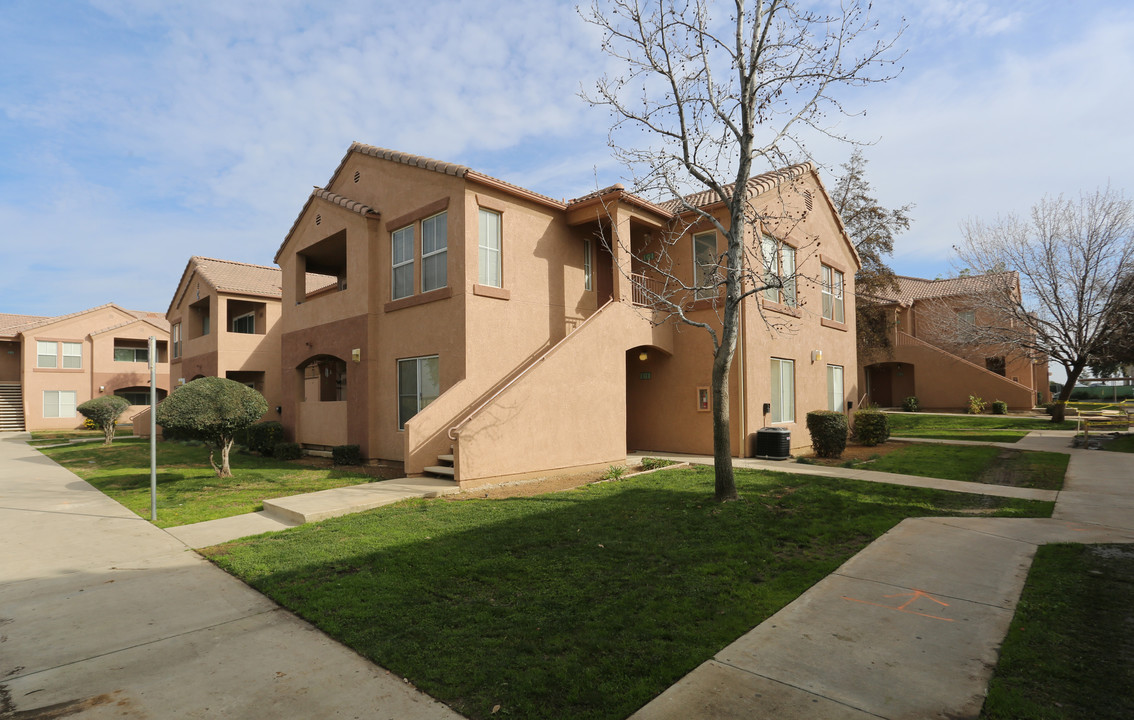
(621, 252)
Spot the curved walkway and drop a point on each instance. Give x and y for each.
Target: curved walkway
(911, 626)
(104, 615)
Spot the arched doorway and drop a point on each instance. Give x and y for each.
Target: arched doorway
(322, 406)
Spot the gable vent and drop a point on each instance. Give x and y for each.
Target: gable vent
(357, 176)
(807, 199)
(318, 219)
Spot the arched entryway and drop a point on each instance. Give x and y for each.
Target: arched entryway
(322, 406)
(889, 383)
(649, 402)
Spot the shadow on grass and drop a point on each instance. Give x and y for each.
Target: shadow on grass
(582, 604)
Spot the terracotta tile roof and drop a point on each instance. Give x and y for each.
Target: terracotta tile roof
(401, 157)
(155, 319)
(757, 185)
(237, 277)
(911, 289)
(12, 324)
(345, 202)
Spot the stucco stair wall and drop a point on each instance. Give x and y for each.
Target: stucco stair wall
(567, 410)
(955, 378)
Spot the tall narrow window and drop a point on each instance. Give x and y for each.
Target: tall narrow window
(175, 336)
(835, 388)
(205, 322)
(588, 272)
(779, 271)
(434, 252)
(705, 265)
(403, 262)
(47, 354)
(783, 390)
(72, 355)
(59, 403)
(419, 383)
(787, 274)
(490, 272)
(832, 294)
(771, 269)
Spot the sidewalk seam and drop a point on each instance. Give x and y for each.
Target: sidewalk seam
(795, 687)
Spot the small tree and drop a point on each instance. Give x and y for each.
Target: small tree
(213, 410)
(104, 412)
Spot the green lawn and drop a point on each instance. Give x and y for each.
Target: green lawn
(188, 489)
(977, 428)
(578, 604)
(1069, 654)
(1124, 443)
(975, 463)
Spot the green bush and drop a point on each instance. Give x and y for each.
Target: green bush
(263, 437)
(103, 412)
(653, 463)
(976, 405)
(214, 410)
(287, 451)
(871, 427)
(346, 455)
(911, 404)
(828, 432)
(999, 407)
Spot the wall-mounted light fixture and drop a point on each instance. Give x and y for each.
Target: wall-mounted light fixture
(816, 356)
(643, 356)
(356, 354)
(102, 388)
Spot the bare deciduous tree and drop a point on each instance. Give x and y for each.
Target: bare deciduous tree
(1072, 257)
(712, 96)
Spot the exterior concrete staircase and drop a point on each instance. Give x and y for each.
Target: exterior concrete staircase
(443, 468)
(11, 407)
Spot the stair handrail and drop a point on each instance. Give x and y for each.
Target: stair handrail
(456, 428)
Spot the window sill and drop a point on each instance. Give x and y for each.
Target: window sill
(57, 370)
(491, 292)
(709, 303)
(791, 310)
(428, 297)
(833, 324)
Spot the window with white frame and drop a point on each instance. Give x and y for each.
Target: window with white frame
(783, 390)
(588, 272)
(131, 354)
(59, 403)
(832, 294)
(72, 355)
(835, 388)
(490, 266)
(434, 252)
(175, 336)
(779, 271)
(402, 262)
(245, 324)
(47, 354)
(705, 265)
(419, 383)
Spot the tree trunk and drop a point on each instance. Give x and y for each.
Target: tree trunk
(1058, 412)
(725, 485)
(108, 434)
(223, 470)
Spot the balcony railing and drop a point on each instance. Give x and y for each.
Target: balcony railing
(645, 290)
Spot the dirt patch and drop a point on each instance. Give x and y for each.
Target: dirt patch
(855, 453)
(381, 472)
(539, 486)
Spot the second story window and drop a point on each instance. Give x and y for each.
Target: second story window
(47, 354)
(705, 275)
(833, 294)
(244, 324)
(434, 252)
(402, 262)
(490, 261)
(588, 273)
(175, 337)
(779, 271)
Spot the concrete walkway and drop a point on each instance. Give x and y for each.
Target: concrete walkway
(104, 615)
(912, 625)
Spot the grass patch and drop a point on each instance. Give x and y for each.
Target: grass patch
(582, 604)
(975, 463)
(1123, 443)
(188, 490)
(1002, 428)
(1069, 654)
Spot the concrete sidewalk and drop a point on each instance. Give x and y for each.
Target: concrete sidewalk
(104, 615)
(912, 625)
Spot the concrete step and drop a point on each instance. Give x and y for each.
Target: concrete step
(441, 470)
(324, 504)
(447, 459)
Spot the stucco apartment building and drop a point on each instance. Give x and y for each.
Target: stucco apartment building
(461, 321)
(933, 358)
(51, 365)
(224, 322)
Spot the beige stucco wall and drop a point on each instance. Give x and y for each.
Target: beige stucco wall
(99, 375)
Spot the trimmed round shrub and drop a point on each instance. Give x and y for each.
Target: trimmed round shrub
(213, 410)
(346, 455)
(828, 432)
(871, 427)
(103, 413)
(287, 451)
(911, 404)
(999, 407)
(262, 437)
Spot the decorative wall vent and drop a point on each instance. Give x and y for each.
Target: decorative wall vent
(807, 200)
(318, 219)
(357, 176)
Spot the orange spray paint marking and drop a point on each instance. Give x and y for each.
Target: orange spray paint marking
(914, 596)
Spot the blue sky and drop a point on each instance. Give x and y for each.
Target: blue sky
(135, 132)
